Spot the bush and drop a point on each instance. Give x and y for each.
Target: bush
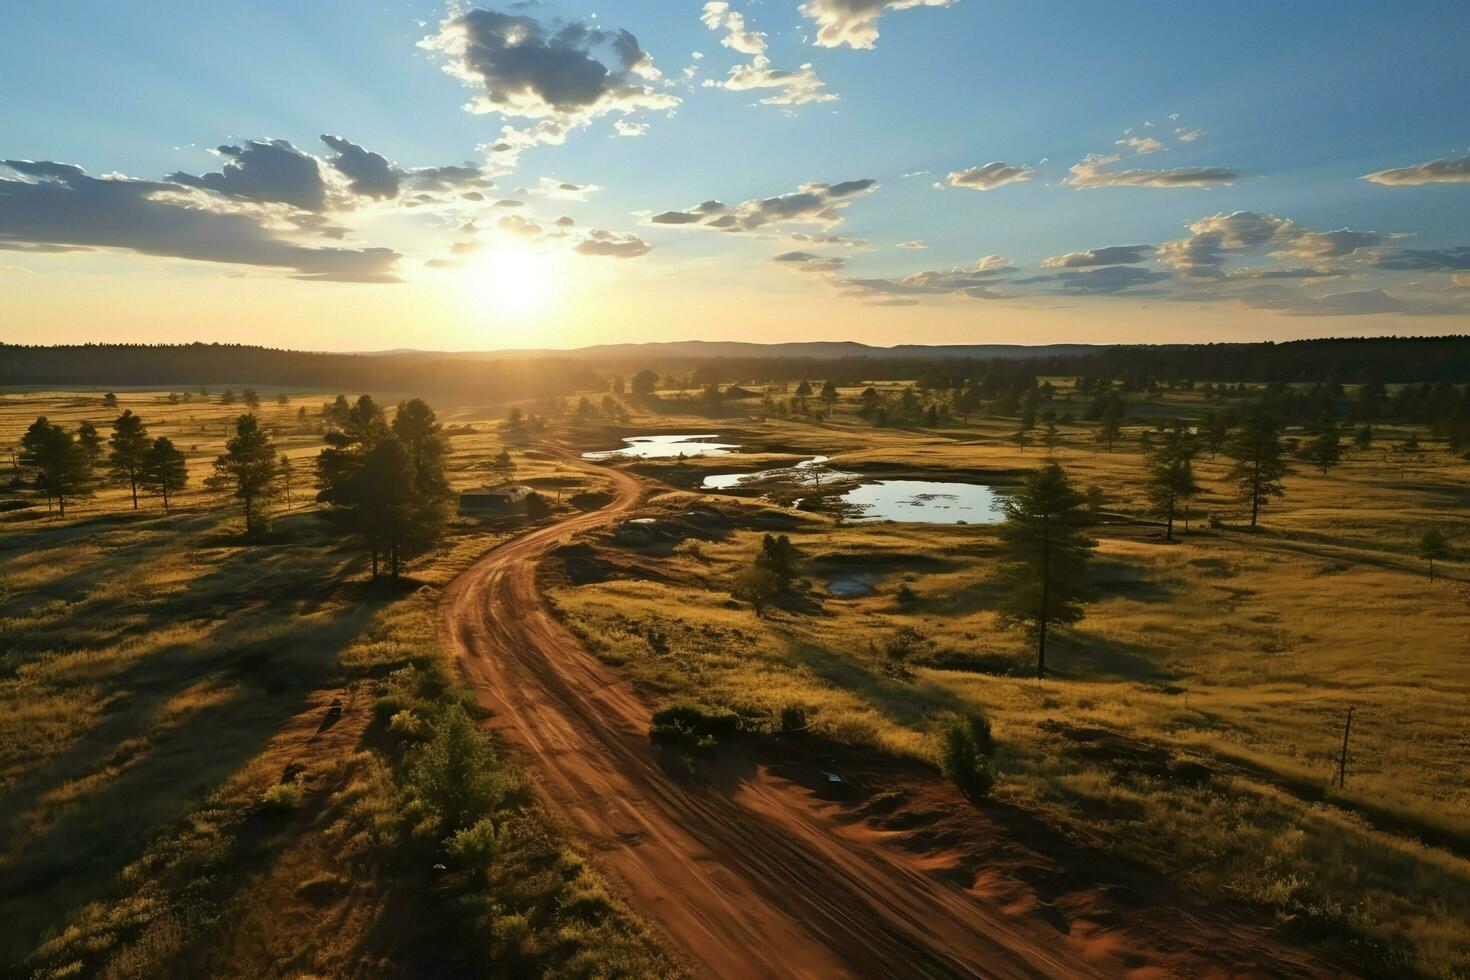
(966, 753)
(454, 774)
(474, 847)
(693, 727)
(793, 719)
(281, 798)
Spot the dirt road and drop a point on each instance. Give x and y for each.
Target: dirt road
(754, 878)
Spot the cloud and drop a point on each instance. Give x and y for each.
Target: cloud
(819, 204)
(797, 87)
(49, 204)
(1107, 280)
(718, 16)
(836, 241)
(990, 176)
(1142, 145)
(625, 128)
(974, 281)
(1417, 259)
(855, 22)
(613, 245)
(553, 73)
(810, 262)
(913, 244)
(1111, 255)
(370, 174)
(1089, 173)
(448, 178)
(265, 171)
(562, 190)
(1364, 302)
(1451, 170)
(1204, 252)
(1188, 135)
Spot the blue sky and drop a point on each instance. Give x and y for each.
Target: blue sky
(1293, 103)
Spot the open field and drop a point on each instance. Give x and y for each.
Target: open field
(200, 773)
(157, 677)
(1195, 718)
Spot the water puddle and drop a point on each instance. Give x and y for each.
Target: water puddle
(924, 502)
(666, 447)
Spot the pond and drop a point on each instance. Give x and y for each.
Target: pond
(925, 502)
(666, 447)
(808, 472)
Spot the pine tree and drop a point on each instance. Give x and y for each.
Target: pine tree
(1170, 484)
(1324, 448)
(1046, 551)
(1259, 466)
(127, 446)
(247, 471)
(63, 469)
(1433, 547)
(164, 470)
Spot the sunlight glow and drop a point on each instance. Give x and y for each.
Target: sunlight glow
(509, 278)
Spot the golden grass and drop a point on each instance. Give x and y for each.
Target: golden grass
(1238, 650)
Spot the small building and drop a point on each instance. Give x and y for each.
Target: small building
(508, 498)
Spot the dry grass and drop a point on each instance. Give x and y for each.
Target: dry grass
(1240, 651)
(159, 680)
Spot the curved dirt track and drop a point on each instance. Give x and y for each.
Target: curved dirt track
(758, 880)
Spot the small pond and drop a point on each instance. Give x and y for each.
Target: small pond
(925, 502)
(666, 447)
(808, 472)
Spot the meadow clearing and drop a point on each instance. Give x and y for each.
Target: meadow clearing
(158, 678)
(207, 747)
(1193, 720)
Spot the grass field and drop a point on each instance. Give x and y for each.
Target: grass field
(199, 770)
(158, 677)
(1232, 654)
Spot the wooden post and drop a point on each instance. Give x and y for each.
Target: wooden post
(1342, 760)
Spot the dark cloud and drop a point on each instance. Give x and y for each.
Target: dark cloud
(974, 281)
(1455, 259)
(810, 262)
(449, 178)
(1105, 281)
(550, 72)
(269, 171)
(370, 174)
(46, 205)
(613, 245)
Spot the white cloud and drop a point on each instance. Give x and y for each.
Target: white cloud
(1142, 145)
(819, 204)
(1451, 170)
(855, 22)
(718, 16)
(797, 87)
(990, 176)
(1090, 173)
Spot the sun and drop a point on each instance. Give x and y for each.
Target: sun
(510, 278)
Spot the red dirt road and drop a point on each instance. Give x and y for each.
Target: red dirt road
(762, 880)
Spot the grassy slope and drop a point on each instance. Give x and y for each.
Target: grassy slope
(1239, 650)
(157, 678)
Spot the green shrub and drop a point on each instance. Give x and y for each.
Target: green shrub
(793, 719)
(281, 798)
(693, 727)
(476, 846)
(965, 755)
(454, 774)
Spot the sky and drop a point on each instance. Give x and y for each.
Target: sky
(341, 175)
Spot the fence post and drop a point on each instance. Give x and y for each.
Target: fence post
(1342, 760)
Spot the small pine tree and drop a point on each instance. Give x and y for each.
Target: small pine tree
(1259, 464)
(127, 447)
(247, 471)
(1433, 547)
(165, 471)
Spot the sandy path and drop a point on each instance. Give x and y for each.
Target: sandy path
(761, 880)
